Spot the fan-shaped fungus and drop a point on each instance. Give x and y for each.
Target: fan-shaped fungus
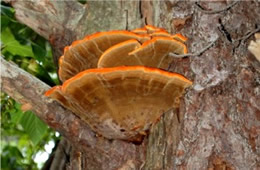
(141, 31)
(151, 29)
(152, 53)
(148, 29)
(121, 102)
(84, 54)
(115, 54)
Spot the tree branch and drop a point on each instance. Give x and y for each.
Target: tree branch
(27, 89)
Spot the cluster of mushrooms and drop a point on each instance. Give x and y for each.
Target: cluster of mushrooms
(116, 81)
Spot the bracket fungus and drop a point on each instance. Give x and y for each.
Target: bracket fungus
(112, 81)
(148, 29)
(121, 102)
(152, 53)
(84, 54)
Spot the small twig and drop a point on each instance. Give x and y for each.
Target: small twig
(248, 35)
(215, 11)
(194, 54)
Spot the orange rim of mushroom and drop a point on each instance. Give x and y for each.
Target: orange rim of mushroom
(88, 37)
(160, 34)
(180, 36)
(133, 33)
(60, 63)
(115, 47)
(140, 36)
(112, 69)
(147, 28)
(147, 39)
(50, 91)
(139, 31)
(146, 43)
(153, 28)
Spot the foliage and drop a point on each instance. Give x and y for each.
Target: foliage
(23, 133)
(82, 1)
(23, 46)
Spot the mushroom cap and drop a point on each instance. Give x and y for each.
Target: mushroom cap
(179, 37)
(158, 32)
(121, 102)
(140, 31)
(148, 29)
(84, 54)
(152, 53)
(151, 29)
(116, 54)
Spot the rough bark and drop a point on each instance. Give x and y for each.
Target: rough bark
(219, 116)
(59, 157)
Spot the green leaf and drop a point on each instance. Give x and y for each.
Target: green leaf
(33, 126)
(82, 1)
(39, 52)
(12, 150)
(4, 21)
(37, 70)
(13, 46)
(16, 113)
(7, 11)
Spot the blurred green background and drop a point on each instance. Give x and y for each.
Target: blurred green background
(26, 141)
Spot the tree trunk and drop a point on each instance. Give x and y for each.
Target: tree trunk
(217, 125)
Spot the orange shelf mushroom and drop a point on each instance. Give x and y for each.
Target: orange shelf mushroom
(157, 32)
(140, 31)
(112, 80)
(148, 29)
(84, 54)
(179, 37)
(151, 29)
(121, 102)
(117, 55)
(152, 53)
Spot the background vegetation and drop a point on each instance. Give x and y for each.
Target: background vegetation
(24, 137)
